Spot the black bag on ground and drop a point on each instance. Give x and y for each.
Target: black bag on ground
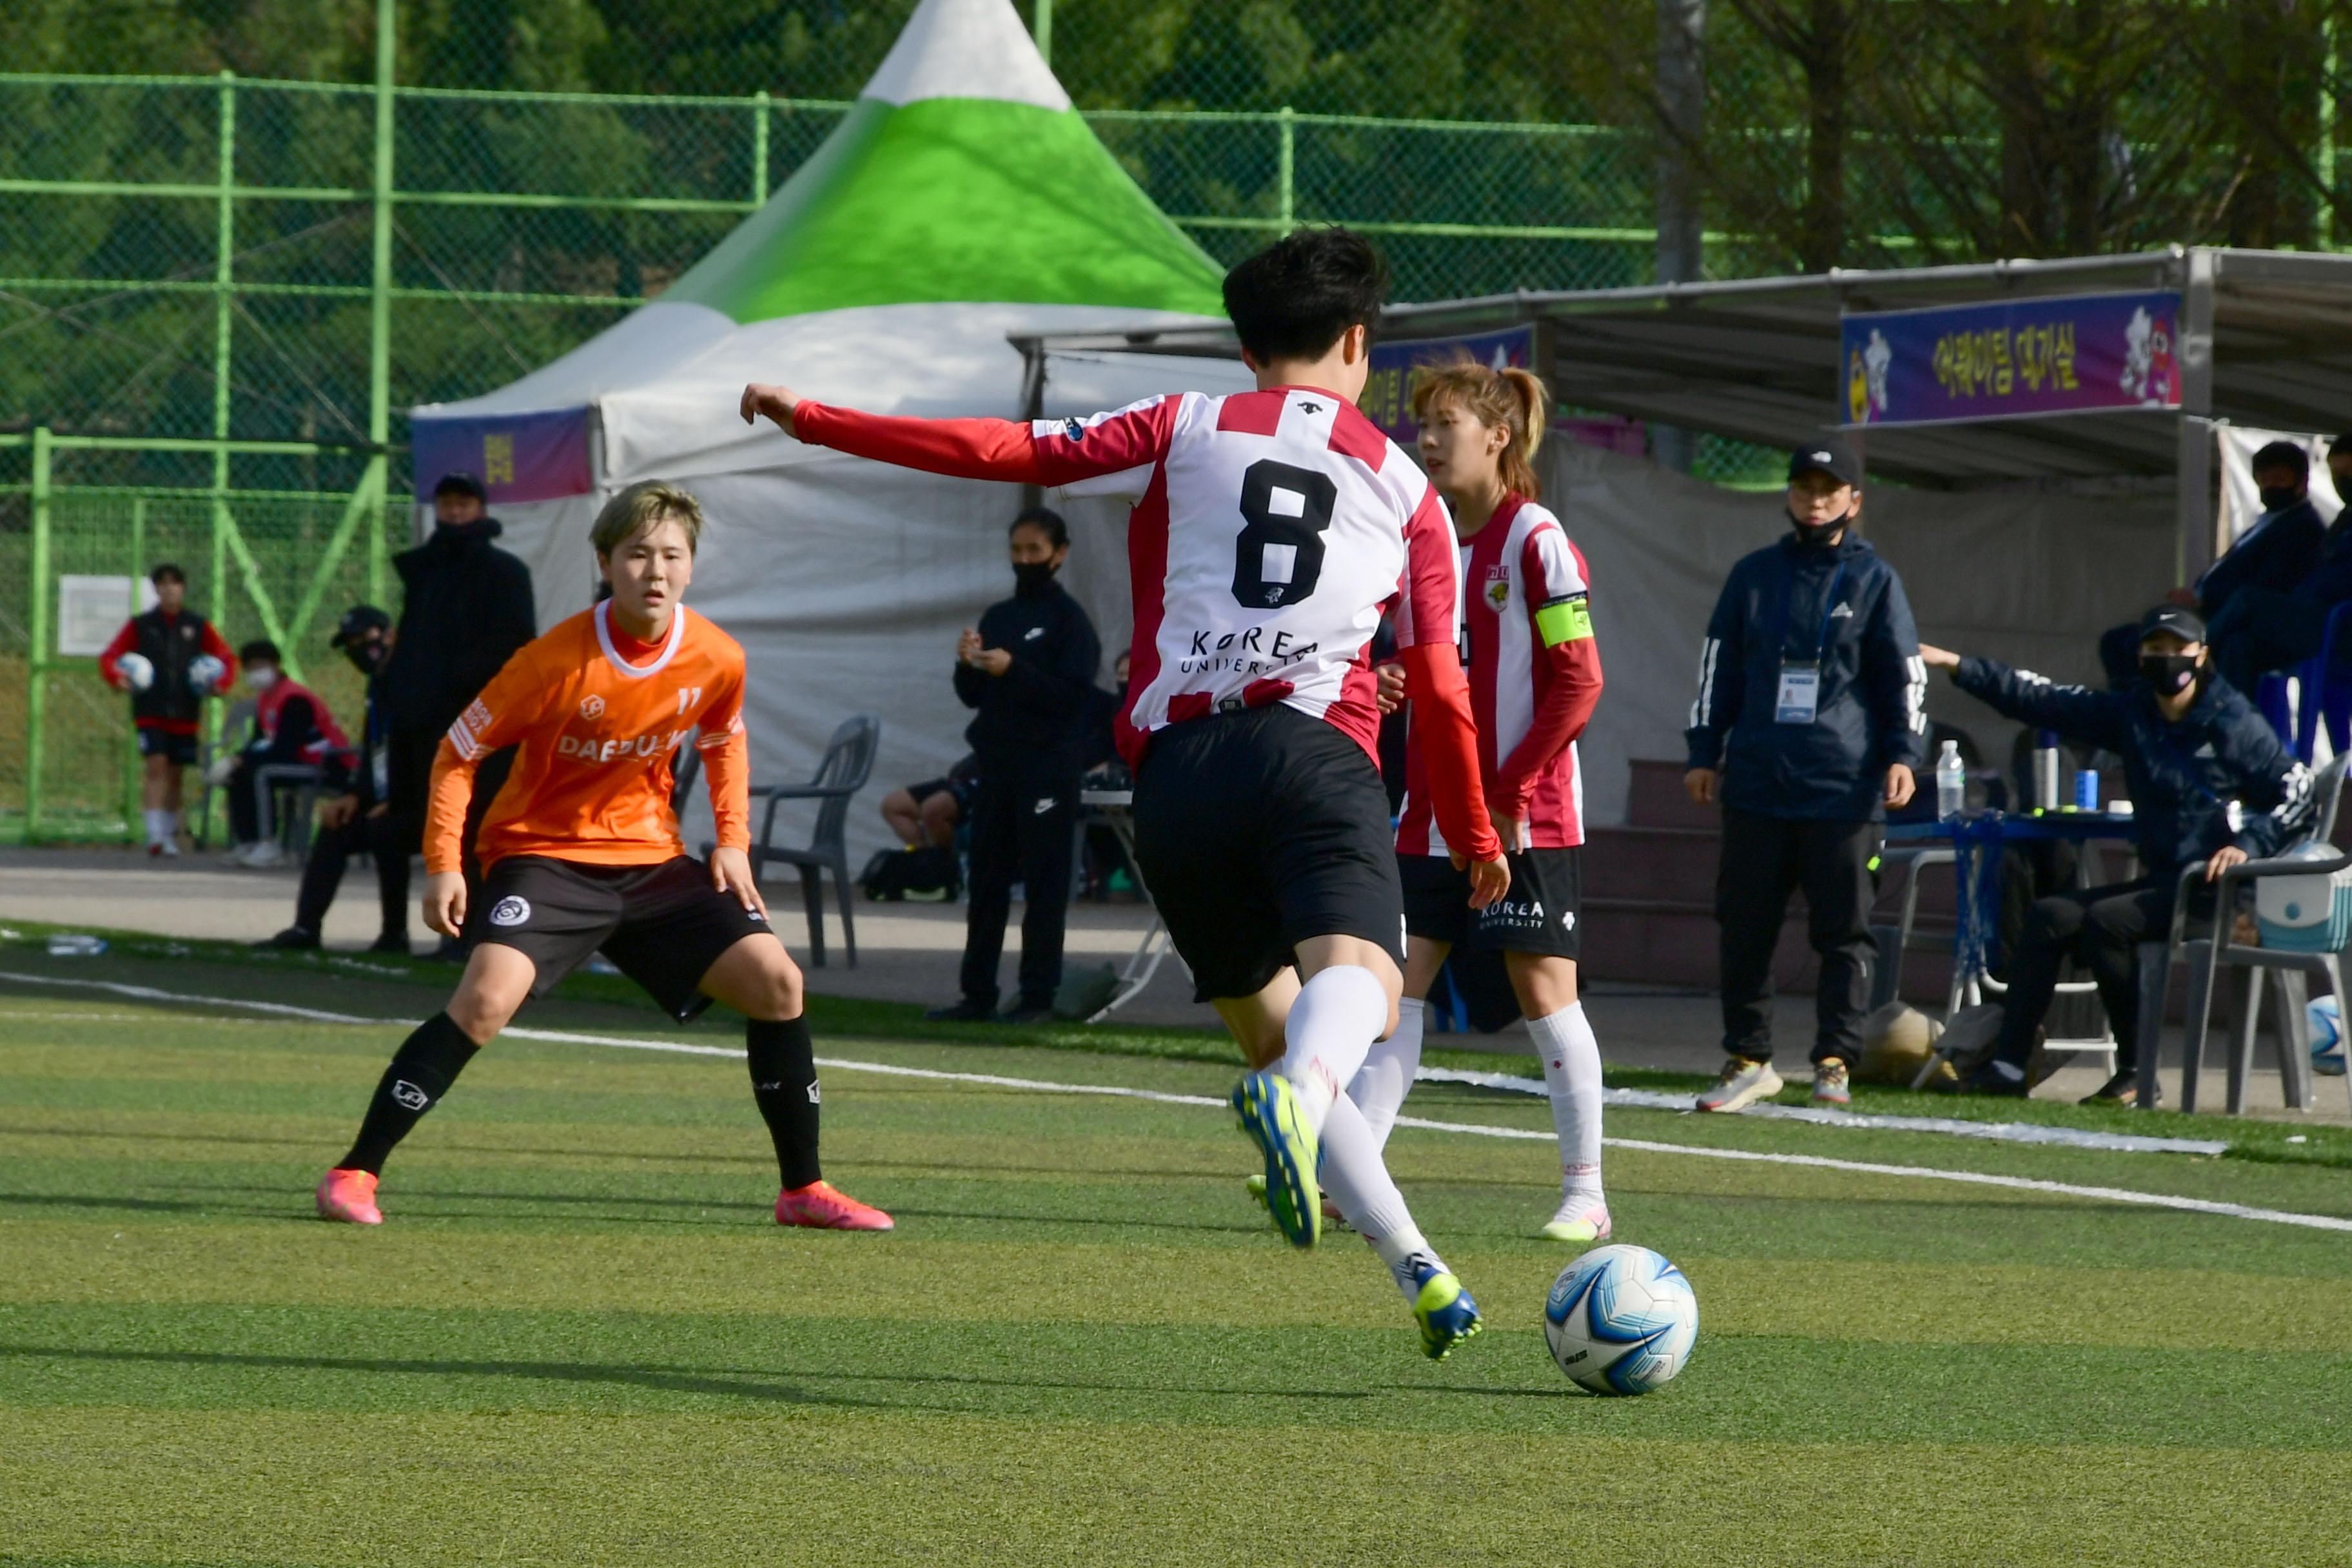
(927, 874)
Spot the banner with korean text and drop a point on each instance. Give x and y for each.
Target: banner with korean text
(2061, 354)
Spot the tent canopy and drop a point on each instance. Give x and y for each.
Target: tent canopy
(1758, 360)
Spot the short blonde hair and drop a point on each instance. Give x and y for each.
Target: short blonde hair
(641, 506)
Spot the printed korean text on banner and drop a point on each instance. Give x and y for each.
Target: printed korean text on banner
(518, 457)
(1388, 390)
(2066, 354)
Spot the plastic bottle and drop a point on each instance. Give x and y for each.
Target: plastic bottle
(1951, 782)
(2045, 771)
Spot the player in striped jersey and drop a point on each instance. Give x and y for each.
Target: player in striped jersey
(1535, 676)
(581, 853)
(1270, 531)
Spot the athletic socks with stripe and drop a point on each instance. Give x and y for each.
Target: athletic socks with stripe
(782, 1059)
(421, 1072)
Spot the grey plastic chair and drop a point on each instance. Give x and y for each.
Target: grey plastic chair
(847, 764)
(2204, 953)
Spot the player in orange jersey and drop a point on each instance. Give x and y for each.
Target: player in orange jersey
(580, 851)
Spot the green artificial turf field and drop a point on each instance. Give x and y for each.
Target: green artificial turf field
(579, 1340)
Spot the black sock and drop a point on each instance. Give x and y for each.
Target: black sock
(421, 1072)
(783, 1081)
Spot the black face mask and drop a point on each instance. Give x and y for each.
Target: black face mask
(367, 657)
(1818, 533)
(2277, 497)
(1032, 578)
(2168, 673)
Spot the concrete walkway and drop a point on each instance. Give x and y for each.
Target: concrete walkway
(907, 953)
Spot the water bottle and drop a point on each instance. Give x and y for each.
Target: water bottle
(1951, 782)
(2045, 771)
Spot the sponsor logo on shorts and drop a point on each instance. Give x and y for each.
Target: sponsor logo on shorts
(1045, 806)
(813, 1097)
(592, 706)
(756, 916)
(1568, 921)
(1518, 914)
(510, 911)
(407, 1096)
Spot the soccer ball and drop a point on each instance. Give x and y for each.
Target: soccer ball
(138, 670)
(2326, 1019)
(205, 671)
(1620, 1320)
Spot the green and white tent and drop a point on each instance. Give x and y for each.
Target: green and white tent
(960, 202)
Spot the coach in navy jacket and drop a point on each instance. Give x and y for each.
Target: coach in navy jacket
(1808, 726)
(2209, 782)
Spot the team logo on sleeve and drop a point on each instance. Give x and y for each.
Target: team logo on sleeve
(592, 706)
(510, 911)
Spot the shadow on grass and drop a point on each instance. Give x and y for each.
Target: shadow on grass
(730, 1382)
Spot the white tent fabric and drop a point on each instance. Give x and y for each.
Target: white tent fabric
(2239, 504)
(2029, 576)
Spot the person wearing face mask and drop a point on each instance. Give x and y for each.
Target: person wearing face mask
(357, 819)
(1028, 670)
(2267, 563)
(2209, 780)
(1809, 724)
(290, 726)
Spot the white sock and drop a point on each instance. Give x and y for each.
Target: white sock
(156, 829)
(1331, 1027)
(171, 825)
(1354, 1177)
(1380, 1085)
(1571, 1070)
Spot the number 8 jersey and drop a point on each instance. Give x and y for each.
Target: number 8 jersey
(1270, 532)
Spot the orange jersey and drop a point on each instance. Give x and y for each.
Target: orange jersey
(593, 737)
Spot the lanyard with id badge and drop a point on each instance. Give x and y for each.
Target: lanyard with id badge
(1801, 678)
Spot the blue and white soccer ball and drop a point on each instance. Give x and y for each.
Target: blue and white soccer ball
(205, 671)
(2325, 1017)
(1620, 1320)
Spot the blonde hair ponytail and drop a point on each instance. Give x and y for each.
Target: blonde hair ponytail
(1512, 400)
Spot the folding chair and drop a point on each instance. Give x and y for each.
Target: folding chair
(847, 764)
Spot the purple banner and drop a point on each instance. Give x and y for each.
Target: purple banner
(518, 457)
(1388, 391)
(2066, 354)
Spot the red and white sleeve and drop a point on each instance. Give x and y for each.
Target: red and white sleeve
(1427, 622)
(1054, 452)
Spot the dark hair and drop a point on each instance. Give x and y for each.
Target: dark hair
(168, 573)
(259, 649)
(1296, 298)
(460, 483)
(1047, 522)
(2281, 455)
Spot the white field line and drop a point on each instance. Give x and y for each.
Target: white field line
(1039, 1086)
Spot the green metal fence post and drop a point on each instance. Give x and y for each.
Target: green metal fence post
(1287, 123)
(379, 277)
(133, 766)
(37, 654)
(223, 302)
(760, 146)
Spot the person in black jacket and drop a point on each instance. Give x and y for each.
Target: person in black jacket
(467, 608)
(358, 818)
(2262, 629)
(1809, 725)
(2275, 555)
(2209, 782)
(1028, 669)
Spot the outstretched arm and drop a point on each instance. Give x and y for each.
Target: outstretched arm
(2076, 711)
(1049, 452)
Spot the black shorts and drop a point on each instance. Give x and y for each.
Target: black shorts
(961, 789)
(181, 750)
(1257, 830)
(1543, 912)
(663, 926)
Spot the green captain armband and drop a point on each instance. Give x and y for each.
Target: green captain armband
(1563, 620)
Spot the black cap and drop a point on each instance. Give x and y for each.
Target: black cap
(1830, 455)
(460, 483)
(357, 622)
(2341, 444)
(2181, 623)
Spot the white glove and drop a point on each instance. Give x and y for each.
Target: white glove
(218, 772)
(204, 672)
(138, 670)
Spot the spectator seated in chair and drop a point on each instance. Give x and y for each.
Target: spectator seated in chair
(291, 726)
(925, 816)
(2192, 750)
(2261, 629)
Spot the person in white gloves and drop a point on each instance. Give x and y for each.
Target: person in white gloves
(169, 659)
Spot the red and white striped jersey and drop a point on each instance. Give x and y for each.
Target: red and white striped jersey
(1535, 676)
(1270, 532)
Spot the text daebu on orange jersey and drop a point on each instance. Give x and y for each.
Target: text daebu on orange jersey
(594, 736)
